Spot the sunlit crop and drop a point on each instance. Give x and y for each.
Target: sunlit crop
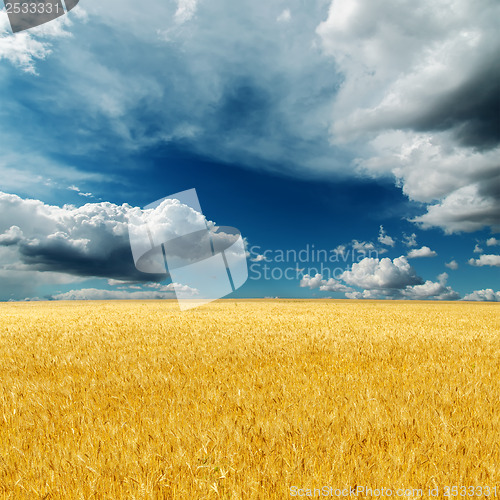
(245, 399)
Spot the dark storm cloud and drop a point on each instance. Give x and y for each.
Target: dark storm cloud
(63, 257)
(490, 187)
(472, 111)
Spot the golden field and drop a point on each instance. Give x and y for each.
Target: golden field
(245, 399)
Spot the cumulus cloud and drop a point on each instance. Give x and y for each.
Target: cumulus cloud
(486, 260)
(483, 295)
(491, 242)
(421, 252)
(410, 241)
(431, 290)
(12, 236)
(371, 273)
(428, 291)
(385, 239)
(384, 279)
(330, 285)
(363, 246)
(453, 264)
(477, 249)
(396, 280)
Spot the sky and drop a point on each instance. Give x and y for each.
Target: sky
(353, 143)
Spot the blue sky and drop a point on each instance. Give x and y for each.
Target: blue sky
(364, 128)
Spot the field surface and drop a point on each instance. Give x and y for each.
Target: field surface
(247, 399)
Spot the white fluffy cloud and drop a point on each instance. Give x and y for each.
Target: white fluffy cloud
(491, 242)
(465, 209)
(486, 260)
(421, 252)
(330, 285)
(483, 295)
(41, 243)
(453, 264)
(427, 291)
(371, 273)
(363, 246)
(431, 290)
(410, 241)
(384, 238)
(384, 279)
(11, 236)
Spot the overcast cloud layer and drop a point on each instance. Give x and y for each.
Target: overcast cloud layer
(370, 87)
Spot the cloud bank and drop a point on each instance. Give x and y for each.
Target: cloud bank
(483, 295)
(67, 244)
(383, 279)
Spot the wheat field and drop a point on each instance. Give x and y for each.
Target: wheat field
(246, 399)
